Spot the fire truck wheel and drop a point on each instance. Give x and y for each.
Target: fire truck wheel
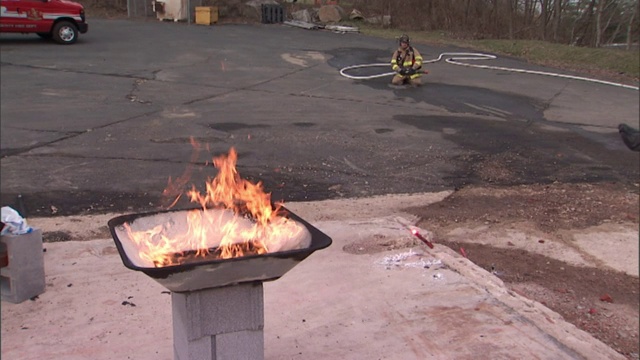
(65, 33)
(45, 35)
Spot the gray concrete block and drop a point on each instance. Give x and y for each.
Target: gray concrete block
(218, 310)
(241, 345)
(200, 349)
(24, 276)
(180, 340)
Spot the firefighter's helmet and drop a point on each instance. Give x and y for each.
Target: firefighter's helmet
(404, 38)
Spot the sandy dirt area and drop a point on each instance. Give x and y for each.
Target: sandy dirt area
(572, 248)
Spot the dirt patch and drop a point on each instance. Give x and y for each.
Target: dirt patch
(549, 207)
(602, 302)
(379, 243)
(56, 236)
(101, 232)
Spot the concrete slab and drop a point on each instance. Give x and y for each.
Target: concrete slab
(409, 303)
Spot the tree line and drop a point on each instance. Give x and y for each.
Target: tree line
(592, 23)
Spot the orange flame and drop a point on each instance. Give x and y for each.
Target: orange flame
(237, 219)
(232, 192)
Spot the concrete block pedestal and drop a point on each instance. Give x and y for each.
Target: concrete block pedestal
(23, 276)
(219, 323)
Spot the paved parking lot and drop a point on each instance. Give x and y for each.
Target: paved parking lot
(102, 125)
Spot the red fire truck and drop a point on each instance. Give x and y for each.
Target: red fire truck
(59, 20)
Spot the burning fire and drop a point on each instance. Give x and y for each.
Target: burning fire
(236, 219)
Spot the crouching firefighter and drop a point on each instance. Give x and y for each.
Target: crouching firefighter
(407, 63)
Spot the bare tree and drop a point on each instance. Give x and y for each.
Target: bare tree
(544, 15)
(634, 10)
(512, 6)
(557, 16)
(620, 13)
(605, 8)
(577, 22)
(598, 28)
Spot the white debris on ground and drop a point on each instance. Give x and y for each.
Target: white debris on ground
(400, 260)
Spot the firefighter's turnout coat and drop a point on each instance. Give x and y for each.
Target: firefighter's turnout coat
(409, 58)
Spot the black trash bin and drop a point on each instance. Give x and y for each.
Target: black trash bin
(272, 14)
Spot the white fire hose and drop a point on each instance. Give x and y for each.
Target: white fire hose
(455, 57)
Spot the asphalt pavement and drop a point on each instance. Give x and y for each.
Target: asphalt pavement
(103, 124)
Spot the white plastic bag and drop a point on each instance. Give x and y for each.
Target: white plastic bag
(14, 223)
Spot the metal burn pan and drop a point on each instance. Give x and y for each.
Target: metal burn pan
(203, 273)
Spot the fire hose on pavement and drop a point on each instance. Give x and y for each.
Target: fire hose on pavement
(455, 58)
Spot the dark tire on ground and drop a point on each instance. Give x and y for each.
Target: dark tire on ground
(65, 33)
